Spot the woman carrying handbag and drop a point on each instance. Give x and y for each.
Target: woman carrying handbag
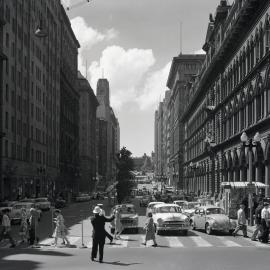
(150, 228)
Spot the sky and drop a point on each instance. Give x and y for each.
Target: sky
(132, 43)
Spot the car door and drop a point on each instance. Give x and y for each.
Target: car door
(196, 217)
(201, 218)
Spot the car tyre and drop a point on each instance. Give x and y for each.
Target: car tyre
(208, 229)
(192, 224)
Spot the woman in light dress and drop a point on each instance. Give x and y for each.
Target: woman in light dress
(118, 225)
(23, 226)
(150, 230)
(60, 228)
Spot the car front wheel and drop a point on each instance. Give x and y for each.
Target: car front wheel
(208, 229)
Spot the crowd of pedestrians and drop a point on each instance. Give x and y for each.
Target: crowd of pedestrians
(262, 222)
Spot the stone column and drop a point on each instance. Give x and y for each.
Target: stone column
(267, 179)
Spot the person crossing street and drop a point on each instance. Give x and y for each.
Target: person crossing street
(241, 221)
(99, 234)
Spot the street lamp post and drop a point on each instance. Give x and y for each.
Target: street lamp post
(250, 143)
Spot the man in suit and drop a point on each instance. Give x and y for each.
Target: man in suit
(99, 233)
(102, 213)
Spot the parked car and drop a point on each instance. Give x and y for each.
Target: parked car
(169, 217)
(150, 206)
(189, 208)
(43, 203)
(129, 217)
(212, 218)
(15, 214)
(82, 197)
(144, 201)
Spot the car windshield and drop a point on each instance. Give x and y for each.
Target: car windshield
(20, 206)
(211, 211)
(168, 209)
(191, 205)
(128, 210)
(180, 203)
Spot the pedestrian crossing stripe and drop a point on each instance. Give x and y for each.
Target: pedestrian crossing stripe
(200, 242)
(133, 241)
(228, 243)
(174, 242)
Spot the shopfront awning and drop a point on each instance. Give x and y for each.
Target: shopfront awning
(241, 184)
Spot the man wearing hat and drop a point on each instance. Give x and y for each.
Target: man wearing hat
(265, 223)
(102, 213)
(99, 233)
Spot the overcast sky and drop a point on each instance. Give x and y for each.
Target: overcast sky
(134, 41)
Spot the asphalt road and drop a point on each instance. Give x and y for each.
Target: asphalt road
(195, 251)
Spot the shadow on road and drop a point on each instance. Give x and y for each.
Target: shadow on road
(118, 263)
(8, 262)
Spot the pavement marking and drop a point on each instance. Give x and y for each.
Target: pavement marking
(174, 241)
(200, 242)
(73, 239)
(228, 243)
(256, 243)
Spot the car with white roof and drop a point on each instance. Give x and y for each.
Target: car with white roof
(150, 206)
(212, 218)
(169, 217)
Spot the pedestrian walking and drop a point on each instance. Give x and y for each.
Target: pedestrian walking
(265, 223)
(118, 228)
(6, 228)
(241, 221)
(60, 229)
(258, 222)
(150, 228)
(32, 224)
(102, 213)
(99, 235)
(23, 226)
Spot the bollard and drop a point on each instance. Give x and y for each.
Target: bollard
(82, 246)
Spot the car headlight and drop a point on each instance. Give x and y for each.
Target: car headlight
(160, 222)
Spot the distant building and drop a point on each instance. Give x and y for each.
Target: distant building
(108, 135)
(87, 141)
(143, 164)
(183, 68)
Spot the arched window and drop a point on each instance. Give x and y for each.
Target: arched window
(244, 63)
(248, 58)
(257, 47)
(267, 90)
(250, 109)
(261, 42)
(252, 48)
(267, 35)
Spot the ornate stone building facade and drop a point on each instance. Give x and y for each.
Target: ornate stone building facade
(230, 96)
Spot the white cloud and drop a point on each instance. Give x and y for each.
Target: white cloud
(125, 70)
(89, 37)
(154, 88)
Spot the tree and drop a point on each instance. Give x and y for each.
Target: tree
(124, 177)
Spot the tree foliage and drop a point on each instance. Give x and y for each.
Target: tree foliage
(125, 166)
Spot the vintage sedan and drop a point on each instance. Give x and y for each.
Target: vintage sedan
(16, 211)
(150, 207)
(212, 218)
(189, 208)
(169, 217)
(43, 203)
(129, 217)
(83, 197)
